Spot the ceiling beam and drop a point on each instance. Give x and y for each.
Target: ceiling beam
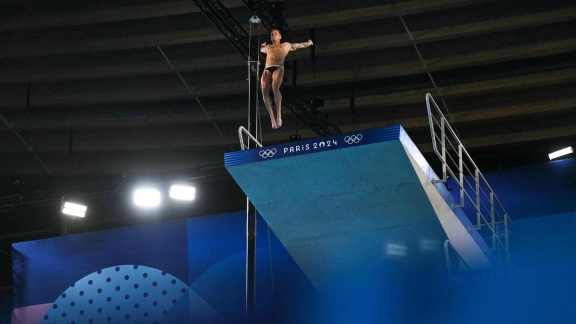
(181, 136)
(527, 81)
(153, 37)
(228, 113)
(168, 87)
(105, 163)
(124, 66)
(331, 18)
(98, 16)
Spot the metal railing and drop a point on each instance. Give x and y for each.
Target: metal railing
(243, 131)
(491, 218)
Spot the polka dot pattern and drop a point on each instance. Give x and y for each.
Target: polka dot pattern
(118, 294)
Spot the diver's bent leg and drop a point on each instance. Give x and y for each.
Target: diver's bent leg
(278, 100)
(268, 104)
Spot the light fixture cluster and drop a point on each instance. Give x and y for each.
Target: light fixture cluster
(151, 197)
(559, 153)
(142, 197)
(74, 209)
(147, 197)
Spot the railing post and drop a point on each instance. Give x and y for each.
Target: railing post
(443, 137)
(242, 130)
(449, 141)
(461, 175)
(493, 222)
(478, 202)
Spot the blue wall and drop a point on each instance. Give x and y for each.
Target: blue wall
(541, 200)
(174, 272)
(538, 286)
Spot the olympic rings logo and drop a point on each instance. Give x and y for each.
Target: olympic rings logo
(267, 153)
(353, 139)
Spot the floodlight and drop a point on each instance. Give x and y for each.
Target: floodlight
(147, 197)
(73, 209)
(181, 192)
(564, 151)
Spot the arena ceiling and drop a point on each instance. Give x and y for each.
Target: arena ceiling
(98, 95)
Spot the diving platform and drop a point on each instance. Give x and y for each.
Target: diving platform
(356, 209)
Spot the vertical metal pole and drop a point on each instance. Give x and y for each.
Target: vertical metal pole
(250, 260)
(252, 98)
(250, 209)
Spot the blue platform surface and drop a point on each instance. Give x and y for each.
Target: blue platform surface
(349, 208)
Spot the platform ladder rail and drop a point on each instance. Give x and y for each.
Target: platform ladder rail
(491, 217)
(249, 139)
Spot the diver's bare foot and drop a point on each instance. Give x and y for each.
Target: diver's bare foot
(274, 125)
(279, 121)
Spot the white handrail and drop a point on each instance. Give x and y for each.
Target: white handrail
(491, 217)
(243, 130)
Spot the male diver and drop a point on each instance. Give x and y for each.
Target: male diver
(274, 72)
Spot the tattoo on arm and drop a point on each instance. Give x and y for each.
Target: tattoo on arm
(296, 46)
